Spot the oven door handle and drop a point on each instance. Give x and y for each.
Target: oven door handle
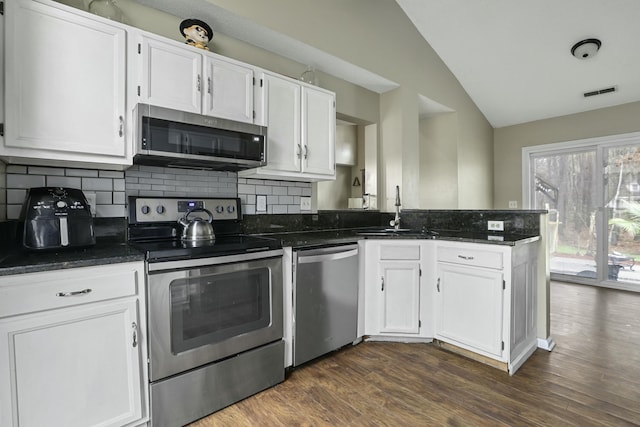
(211, 261)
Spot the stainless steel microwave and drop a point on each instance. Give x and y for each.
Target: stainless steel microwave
(166, 137)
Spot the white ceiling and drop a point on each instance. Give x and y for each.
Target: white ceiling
(513, 56)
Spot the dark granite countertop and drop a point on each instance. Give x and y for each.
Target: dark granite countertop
(105, 251)
(317, 238)
(297, 231)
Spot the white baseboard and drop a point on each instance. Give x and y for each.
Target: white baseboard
(407, 340)
(519, 361)
(547, 344)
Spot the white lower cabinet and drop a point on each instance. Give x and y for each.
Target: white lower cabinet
(396, 303)
(486, 299)
(480, 298)
(73, 347)
(469, 307)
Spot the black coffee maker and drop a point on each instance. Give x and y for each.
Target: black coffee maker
(56, 218)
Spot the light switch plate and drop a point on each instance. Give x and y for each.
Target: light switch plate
(261, 203)
(495, 225)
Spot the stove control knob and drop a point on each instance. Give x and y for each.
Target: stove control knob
(231, 209)
(160, 209)
(145, 209)
(219, 209)
(61, 204)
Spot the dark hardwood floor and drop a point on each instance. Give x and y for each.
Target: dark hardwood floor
(591, 378)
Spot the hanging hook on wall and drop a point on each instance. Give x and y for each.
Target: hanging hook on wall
(356, 182)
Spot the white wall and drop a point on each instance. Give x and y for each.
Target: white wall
(438, 162)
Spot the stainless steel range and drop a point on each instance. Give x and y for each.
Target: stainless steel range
(215, 307)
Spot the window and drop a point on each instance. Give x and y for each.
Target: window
(591, 191)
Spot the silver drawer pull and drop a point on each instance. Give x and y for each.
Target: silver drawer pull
(468, 258)
(74, 293)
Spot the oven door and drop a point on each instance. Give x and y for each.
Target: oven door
(205, 310)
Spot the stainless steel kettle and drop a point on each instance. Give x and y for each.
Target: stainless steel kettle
(197, 229)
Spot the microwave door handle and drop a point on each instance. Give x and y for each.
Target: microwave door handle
(186, 144)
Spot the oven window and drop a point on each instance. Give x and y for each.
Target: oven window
(209, 309)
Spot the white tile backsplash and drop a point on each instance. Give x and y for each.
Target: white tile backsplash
(113, 187)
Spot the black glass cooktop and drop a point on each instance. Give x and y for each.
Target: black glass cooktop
(177, 249)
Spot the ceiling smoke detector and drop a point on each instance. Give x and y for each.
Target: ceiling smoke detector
(586, 48)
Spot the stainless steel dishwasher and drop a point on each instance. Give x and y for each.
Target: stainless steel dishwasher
(325, 300)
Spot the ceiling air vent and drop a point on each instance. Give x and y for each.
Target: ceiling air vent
(600, 92)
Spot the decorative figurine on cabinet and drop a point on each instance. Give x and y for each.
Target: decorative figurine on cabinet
(196, 33)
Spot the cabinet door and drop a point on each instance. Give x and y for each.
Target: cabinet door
(72, 367)
(171, 76)
(284, 148)
(318, 132)
(65, 83)
(469, 307)
(229, 90)
(399, 297)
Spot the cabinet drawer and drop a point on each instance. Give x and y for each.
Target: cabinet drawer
(472, 257)
(400, 252)
(26, 293)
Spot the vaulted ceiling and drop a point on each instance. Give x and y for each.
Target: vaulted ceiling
(514, 57)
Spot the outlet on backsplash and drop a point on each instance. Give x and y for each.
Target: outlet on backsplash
(495, 225)
(305, 203)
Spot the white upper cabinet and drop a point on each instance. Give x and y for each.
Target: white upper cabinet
(173, 75)
(318, 132)
(229, 90)
(284, 147)
(301, 127)
(64, 87)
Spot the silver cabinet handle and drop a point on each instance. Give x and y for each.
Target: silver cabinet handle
(306, 152)
(468, 258)
(121, 128)
(438, 285)
(209, 85)
(198, 83)
(73, 293)
(382, 278)
(135, 334)
(299, 151)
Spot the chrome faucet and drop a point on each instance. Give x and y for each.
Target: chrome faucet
(395, 222)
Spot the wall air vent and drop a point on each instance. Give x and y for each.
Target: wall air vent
(600, 91)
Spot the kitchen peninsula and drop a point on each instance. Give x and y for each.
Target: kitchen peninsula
(443, 276)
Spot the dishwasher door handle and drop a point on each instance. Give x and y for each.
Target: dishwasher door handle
(331, 256)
